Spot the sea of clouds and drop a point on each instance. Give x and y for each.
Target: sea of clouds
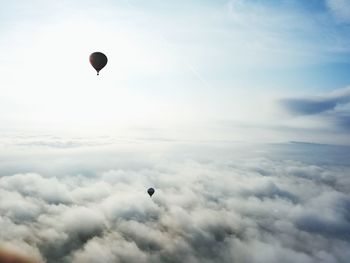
(82, 201)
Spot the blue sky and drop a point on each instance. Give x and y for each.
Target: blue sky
(179, 68)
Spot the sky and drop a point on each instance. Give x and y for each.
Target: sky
(186, 70)
(237, 113)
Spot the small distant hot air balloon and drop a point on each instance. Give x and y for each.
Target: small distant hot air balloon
(150, 191)
(98, 60)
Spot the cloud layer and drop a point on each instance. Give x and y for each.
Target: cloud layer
(210, 205)
(317, 104)
(333, 108)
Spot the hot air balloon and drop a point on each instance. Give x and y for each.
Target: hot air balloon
(150, 191)
(98, 60)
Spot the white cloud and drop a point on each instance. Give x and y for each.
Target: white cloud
(217, 203)
(48, 189)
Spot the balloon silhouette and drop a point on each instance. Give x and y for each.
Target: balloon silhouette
(98, 60)
(150, 191)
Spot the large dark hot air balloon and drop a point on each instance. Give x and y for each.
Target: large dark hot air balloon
(150, 191)
(98, 60)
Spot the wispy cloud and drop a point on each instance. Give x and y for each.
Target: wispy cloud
(340, 8)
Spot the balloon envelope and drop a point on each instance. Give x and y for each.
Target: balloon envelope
(150, 191)
(98, 60)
